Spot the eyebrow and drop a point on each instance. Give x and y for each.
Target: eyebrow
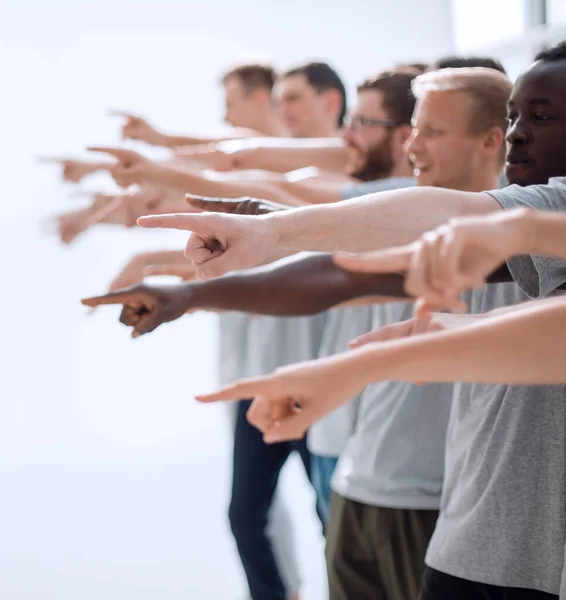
(532, 102)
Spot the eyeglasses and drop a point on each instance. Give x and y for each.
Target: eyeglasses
(359, 122)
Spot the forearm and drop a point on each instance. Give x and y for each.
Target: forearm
(171, 141)
(304, 286)
(331, 157)
(374, 221)
(198, 185)
(519, 348)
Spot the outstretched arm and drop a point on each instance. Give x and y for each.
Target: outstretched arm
(527, 340)
(133, 168)
(301, 287)
(460, 254)
(281, 154)
(137, 128)
(373, 221)
(464, 352)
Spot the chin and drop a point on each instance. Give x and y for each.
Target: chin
(427, 180)
(523, 176)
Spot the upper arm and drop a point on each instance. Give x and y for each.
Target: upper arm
(473, 203)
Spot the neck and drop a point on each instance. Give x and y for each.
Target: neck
(323, 130)
(402, 169)
(268, 124)
(485, 179)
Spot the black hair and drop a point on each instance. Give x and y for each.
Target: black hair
(322, 77)
(555, 53)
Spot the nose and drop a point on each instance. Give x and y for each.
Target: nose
(413, 144)
(517, 133)
(347, 132)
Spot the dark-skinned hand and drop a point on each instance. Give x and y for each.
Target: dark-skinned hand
(145, 307)
(235, 206)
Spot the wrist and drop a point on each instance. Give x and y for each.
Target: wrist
(162, 139)
(369, 364)
(188, 295)
(528, 236)
(275, 227)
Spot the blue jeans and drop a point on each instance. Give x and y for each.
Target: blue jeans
(256, 470)
(322, 469)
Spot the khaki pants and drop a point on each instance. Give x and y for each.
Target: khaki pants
(375, 553)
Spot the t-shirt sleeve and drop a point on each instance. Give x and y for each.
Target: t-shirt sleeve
(537, 275)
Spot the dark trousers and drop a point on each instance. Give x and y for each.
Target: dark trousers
(256, 470)
(439, 586)
(376, 553)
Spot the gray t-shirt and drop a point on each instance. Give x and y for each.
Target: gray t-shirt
(232, 357)
(328, 436)
(232, 343)
(537, 275)
(395, 457)
(279, 341)
(503, 511)
(274, 342)
(353, 190)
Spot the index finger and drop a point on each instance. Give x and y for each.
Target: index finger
(121, 113)
(382, 261)
(182, 221)
(119, 297)
(246, 388)
(50, 160)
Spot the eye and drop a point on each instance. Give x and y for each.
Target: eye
(434, 132)
(512, 118)
(542, 117)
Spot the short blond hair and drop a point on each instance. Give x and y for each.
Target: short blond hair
(488, 90)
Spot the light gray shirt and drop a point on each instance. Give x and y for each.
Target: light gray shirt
(232, 343)
(395, 457)
(503, 512)
(279, 341)
(328, 436)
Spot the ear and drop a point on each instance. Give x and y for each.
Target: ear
(262, 97)
(494, 140)
(333, 101)
(400, 136)
(403, 133)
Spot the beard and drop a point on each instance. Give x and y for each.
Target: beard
(378, 161)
